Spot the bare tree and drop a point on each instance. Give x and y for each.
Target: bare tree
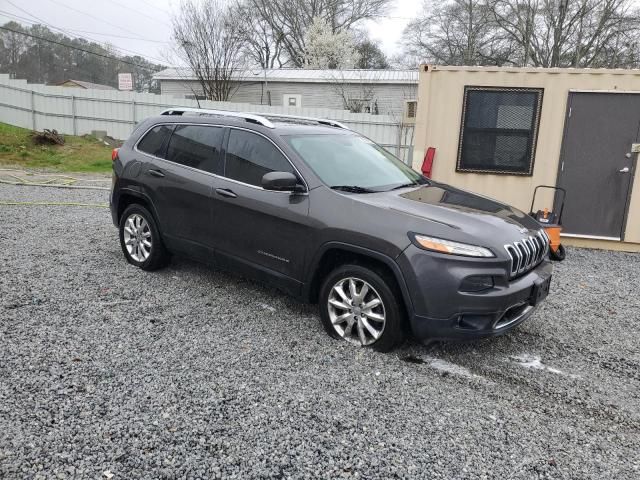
(290, 19)
(457, 32)
(569, 33)
(262, 44)
(541, 33)
(357, 96)
(209, 39)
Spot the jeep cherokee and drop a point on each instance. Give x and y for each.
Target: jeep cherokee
(326, 215)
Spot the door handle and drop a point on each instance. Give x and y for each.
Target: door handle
(624, 170)
(225, 192)
(156, 173)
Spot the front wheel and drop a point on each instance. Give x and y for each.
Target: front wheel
(140, 239)
(360, 305)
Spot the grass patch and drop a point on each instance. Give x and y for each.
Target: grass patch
(78, 154)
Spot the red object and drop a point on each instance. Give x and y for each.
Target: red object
(114, 154)
(427, 163)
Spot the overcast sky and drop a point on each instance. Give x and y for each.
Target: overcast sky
(144, 27)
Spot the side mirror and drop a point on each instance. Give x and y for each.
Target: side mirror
(281, 182)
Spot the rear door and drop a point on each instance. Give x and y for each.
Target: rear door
(183, 183)
(596, 167)
(256, 228)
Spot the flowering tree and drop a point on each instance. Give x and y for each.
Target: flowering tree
(289, 20)
(328, 50)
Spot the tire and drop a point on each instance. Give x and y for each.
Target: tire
(356, 322)
(559, 255)
(140, 239)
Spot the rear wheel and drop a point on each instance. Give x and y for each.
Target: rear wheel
(358, 304)
(140, 239)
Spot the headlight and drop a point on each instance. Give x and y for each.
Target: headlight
(448, 246)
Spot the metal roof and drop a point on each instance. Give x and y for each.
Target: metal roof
(534, 70)
(87, 85)
(303, 75)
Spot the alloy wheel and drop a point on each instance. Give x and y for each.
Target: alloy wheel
(137, 237)
(356, 311)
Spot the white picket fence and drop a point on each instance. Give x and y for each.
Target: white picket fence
(74, 111)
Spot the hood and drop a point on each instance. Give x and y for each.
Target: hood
(457, 215)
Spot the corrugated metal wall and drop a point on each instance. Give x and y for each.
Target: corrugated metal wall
(79, 112)
(390, 98)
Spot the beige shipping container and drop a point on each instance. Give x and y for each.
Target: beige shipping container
(600, 157)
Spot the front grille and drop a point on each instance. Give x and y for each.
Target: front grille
(527, 253)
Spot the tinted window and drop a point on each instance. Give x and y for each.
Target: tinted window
(153, 141)
(196, 146)
(250, 156)
(499, 129)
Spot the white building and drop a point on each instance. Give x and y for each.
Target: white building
(363, 91)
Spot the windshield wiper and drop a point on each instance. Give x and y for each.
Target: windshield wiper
(406, 185)
(352, 189)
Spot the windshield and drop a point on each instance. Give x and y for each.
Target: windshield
(354, 162)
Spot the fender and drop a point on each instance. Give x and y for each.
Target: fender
(138, 193)
(388, 261)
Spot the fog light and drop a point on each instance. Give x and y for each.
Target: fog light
(477, 283)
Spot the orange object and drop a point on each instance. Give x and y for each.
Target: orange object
(551, 221)
(554, 236)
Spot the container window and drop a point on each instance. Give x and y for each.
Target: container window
(499, 130)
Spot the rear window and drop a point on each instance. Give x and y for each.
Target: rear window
(153, 142)
(196, 146)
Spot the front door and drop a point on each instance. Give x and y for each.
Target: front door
(265, 232)
(596, 166)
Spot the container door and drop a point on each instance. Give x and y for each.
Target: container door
(596, 165)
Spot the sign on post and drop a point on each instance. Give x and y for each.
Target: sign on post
(125, 81)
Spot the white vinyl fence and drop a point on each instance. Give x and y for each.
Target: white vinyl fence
(75, 111)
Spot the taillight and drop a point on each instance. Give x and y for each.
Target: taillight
(114, 154)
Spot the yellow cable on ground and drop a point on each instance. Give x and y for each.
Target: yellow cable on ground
(48, 174)
(56, 204)
(66, 181)
(57, 185)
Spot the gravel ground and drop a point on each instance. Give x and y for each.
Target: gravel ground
(110, 372)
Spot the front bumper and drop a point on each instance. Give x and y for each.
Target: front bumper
(441, 311)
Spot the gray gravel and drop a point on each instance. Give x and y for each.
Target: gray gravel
(194, 373)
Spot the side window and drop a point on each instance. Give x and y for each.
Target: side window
(250, 156)
(153, 141)
(196, 146)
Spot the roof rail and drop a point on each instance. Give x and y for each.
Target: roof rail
(323, 121)
(261, 119)
(249, 117)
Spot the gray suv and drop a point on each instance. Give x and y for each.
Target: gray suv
(328, 216)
